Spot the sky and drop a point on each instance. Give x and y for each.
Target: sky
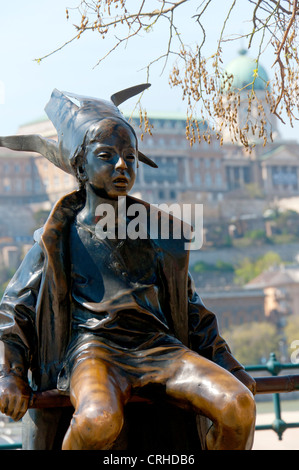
(34, 28)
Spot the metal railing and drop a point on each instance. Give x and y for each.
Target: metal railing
(274, 367)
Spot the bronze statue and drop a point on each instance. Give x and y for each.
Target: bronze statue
(105, 319)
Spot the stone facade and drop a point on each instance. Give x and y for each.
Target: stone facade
(234, 307)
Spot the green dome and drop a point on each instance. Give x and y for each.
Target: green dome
(242, 68)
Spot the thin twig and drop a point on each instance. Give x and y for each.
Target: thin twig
(254, 22)
(57, 50)
(120, 41)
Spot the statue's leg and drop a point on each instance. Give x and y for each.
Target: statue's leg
(208, 389)
(98, 395)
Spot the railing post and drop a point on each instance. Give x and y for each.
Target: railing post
(273, 365)
(279, 426)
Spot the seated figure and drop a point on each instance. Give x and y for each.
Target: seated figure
(104, 316)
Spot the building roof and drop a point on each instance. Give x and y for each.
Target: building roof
(231, 293)
(275, 278)
(283, 151)
(242, 68)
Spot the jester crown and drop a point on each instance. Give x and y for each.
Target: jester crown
(72, 123)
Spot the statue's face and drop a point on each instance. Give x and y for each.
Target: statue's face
(111, 159)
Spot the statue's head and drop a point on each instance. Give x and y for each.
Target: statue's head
(108, 158)
(81, 121)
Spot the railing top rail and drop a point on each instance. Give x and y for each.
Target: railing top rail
(273, 366)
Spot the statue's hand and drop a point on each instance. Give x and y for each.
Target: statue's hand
(246, 379)
(15, 395)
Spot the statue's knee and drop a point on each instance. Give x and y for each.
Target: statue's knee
(97, 428)
(239, 410)
(246, 405)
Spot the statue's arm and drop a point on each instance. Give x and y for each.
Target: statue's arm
(204, 333)
(205, 338)
(18, 334)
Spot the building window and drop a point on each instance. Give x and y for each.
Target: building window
(168, 172)
(236, 171)
(18, 184)
(247, 177)
(218, 163)
(37, 185)
(28, 184)
(218, 179)
(7, 185)
(284, 177)
(208, 180)
(207, 162)
(196, 163)
(197, 179)
(179, 125)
